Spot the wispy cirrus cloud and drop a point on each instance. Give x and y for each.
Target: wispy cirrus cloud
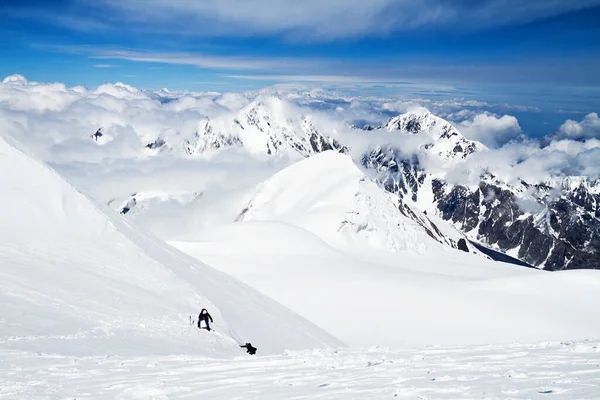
(195, 59)
(334, 19)
(297, 20)
(389, 70)
(199, 60)
(313, 78)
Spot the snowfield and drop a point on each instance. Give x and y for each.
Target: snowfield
(91, 307)
(335, 249)
(556, 371)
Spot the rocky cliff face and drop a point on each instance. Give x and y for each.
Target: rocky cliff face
(562, 234)
(554, 225)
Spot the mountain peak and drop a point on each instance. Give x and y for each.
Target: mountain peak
(343, 207)
(266, 102)
(441, 136)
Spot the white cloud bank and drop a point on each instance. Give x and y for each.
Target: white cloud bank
(490, 129)
(588, 128)
(57, 123)
(528, 161)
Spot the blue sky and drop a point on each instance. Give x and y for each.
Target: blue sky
(541, 53)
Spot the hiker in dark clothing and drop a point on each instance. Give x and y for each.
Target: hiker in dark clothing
(249, 348)
(204, 316)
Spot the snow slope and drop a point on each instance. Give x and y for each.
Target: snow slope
(403, 300)
(334, 248)
(78, 279)
(330, 197)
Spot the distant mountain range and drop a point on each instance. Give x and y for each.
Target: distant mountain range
(561, 232)
(552, 225)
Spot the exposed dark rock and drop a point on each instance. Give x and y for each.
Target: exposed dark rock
(157, 144)
(320, 143)
(413, 126)
(99, 133)
(462, 245)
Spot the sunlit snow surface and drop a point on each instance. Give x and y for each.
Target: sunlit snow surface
(538, 371)
(336, 250)
(76, 279)
(91, 307)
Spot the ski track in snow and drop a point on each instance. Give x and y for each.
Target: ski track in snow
(567, 370)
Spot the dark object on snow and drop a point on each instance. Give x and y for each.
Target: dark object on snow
(462, 245)
(98, 134)
(249, 348)
(157, 144)
(130, 204)
(204, 316)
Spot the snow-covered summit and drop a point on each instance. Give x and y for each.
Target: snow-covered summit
(210, 138)
(442, 137)
(328, 195)
(267, 126)
(272, 125)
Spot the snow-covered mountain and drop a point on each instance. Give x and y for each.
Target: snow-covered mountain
(442, 138)
(78, 279)
(266, 126)
(329, 196)
(553, 225)
(330, 244)
(207, 138)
